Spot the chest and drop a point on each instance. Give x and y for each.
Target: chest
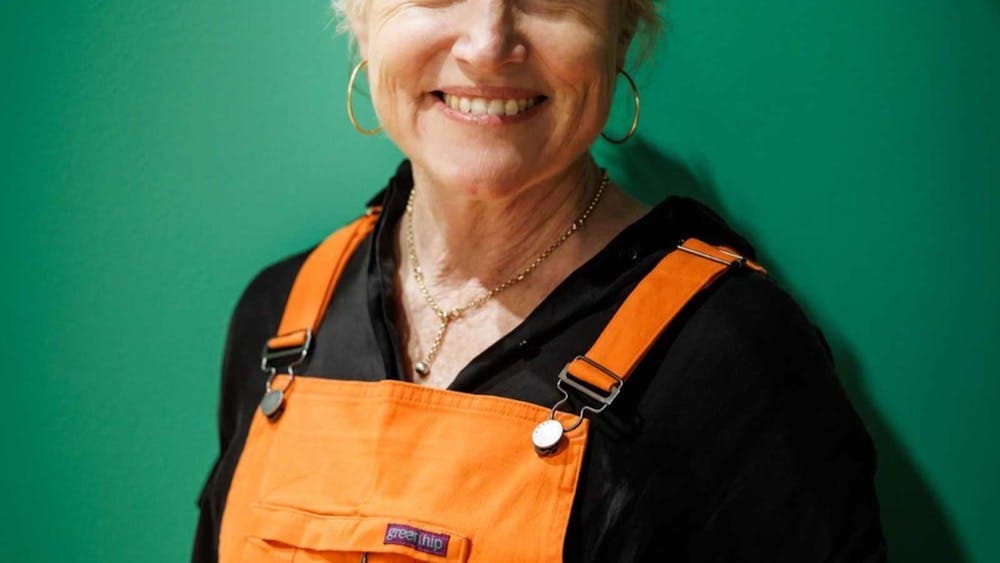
(447, 348)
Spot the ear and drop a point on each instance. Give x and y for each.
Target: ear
(358, 22)
(624, 42)
(628, 26)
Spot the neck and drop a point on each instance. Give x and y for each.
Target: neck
(468, 242)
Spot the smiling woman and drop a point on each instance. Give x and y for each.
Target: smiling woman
(507, 357)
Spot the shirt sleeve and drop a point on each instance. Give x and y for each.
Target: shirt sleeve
(254, 320)
(794, 467)
(798, 486)
(205, 547)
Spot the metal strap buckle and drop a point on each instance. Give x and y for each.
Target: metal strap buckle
(604, 399)
(737, 262)
(549, 433)
(301, 351)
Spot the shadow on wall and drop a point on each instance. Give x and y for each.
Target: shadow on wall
(916, 528)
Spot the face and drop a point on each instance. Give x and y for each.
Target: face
(490, 96)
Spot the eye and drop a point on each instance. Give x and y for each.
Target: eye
(585, 10)
(434, 3)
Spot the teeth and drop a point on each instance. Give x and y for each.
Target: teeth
(483, 106)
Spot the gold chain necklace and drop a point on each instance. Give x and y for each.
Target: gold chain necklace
(423, 367)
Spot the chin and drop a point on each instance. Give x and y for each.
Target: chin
(487, 174)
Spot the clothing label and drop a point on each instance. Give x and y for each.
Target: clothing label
(421, 540)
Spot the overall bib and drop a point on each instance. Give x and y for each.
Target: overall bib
(391, 471)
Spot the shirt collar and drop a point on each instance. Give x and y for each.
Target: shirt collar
(669, 222)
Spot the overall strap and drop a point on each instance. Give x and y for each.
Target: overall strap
(312, 289)
(646, 312)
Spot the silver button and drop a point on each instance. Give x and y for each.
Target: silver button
(547, 436)
(272, 403)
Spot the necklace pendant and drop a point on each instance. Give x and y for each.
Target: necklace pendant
(422, 369)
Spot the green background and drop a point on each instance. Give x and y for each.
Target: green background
(155, 156)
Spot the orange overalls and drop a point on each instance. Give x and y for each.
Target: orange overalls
(338, 470)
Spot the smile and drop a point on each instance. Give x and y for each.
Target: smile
(503, 107)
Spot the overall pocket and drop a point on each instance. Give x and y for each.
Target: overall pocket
(280, 533)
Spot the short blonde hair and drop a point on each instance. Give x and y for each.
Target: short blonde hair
(642, 18)
(647, 25)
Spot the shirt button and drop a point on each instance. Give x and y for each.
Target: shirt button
(629, 254)
(527, 349)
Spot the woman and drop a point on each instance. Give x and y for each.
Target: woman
(502, 290)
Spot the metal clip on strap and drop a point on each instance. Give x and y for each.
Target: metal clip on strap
(549, 433)
(736, 262)
(291, 345)
(565, 377)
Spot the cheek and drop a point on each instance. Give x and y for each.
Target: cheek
(582, 73)
(390, 96)
(403, 50)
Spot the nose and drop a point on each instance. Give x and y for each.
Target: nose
(488, 38)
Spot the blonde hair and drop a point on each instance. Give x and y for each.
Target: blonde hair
(642, 19)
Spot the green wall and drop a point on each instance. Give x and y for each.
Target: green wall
(155, 156)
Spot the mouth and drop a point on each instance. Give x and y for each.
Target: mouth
(493, 106)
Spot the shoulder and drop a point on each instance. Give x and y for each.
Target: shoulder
(746, 337)
(744, 316)
(743, 346)
(254, 319)
(265, 295)
(745, 313)
(745, 375)
(746, 379)
(748, 314)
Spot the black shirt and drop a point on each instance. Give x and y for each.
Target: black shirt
(731, 441)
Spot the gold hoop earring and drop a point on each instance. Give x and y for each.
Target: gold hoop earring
(350, 102)
(635, 116)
